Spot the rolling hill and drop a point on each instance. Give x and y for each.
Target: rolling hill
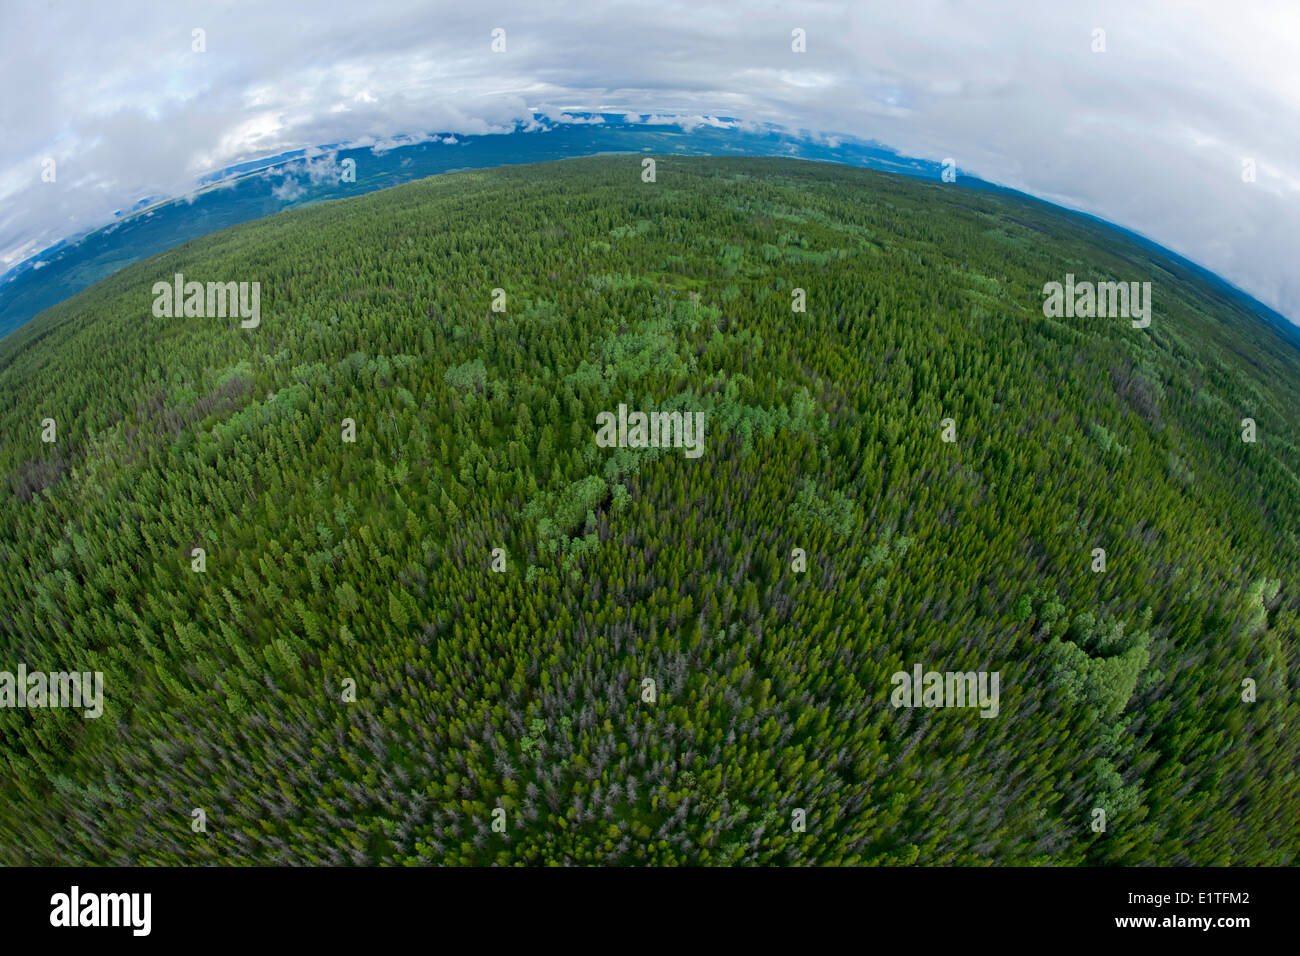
(364, 587)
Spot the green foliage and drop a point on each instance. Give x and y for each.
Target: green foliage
(467, 375)
(834, 510)
(370, 561)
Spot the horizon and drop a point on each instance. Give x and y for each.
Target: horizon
(299, 162)
(1179, 125)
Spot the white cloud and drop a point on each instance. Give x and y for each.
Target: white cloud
(1149, 134)
(289, 190)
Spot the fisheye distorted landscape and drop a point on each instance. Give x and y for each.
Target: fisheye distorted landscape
(659, 503)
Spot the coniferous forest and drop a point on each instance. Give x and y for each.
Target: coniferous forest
(365, 589)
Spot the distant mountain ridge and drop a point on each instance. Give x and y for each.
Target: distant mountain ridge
(256, 188)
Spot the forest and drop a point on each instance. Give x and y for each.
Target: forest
(364, 588)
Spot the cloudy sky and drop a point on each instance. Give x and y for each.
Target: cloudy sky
(1153, 133)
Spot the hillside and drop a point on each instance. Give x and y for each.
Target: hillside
(349, 680)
